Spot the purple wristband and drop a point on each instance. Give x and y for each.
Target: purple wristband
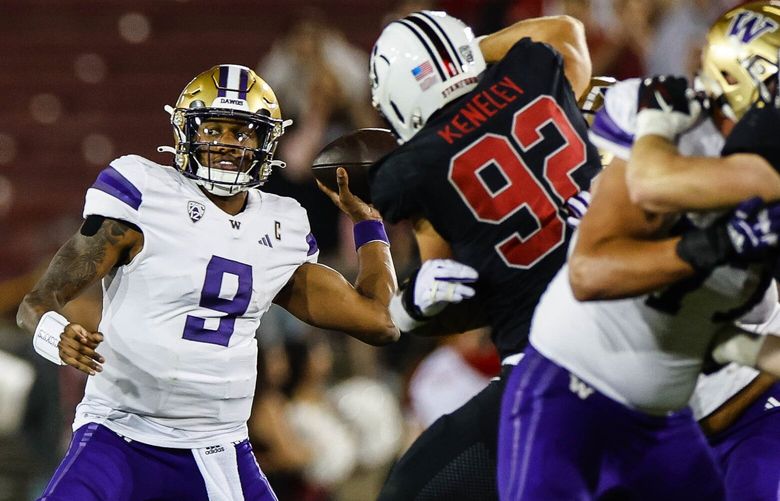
(369, 230)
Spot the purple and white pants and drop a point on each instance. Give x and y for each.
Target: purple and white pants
(101, 465)
(561, 439)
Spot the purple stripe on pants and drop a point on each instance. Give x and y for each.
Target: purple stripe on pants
(100, 465)
(748, 451)
(77, 443)
(561, 439)
(253, 483)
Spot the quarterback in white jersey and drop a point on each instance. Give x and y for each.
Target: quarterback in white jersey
(179, 320)
(191, 257)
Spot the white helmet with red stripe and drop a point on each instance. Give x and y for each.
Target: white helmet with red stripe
(419, 64)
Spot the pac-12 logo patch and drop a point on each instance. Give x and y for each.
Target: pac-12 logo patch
(195, 210)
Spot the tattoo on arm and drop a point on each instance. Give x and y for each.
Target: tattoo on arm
(82, 260)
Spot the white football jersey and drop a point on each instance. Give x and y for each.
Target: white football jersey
(614, 126)
(179, 320)
(645, 352)
(655, 356)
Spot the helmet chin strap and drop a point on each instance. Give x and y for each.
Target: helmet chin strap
(220, 182)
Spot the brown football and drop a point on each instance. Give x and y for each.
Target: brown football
(356, 152)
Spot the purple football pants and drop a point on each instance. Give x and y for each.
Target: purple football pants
(101, 465)
(560, 439)
(748, 451)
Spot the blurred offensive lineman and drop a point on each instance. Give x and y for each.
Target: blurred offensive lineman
(626, 368)
(492, 145)
(735, 406)
(191, 258)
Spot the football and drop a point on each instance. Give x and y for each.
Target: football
(356, 152)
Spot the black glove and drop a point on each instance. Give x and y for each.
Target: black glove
(748, 234)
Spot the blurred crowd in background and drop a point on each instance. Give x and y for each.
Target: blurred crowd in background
(84, 83)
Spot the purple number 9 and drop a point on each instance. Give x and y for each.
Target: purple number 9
(194, 328)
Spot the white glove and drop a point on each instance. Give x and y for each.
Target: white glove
(440, 282)
(436, 284)
(666, 107)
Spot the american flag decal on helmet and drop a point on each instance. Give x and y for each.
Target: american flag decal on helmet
(422, 71)
(424, 75)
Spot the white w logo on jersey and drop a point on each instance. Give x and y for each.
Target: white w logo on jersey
(578, 387)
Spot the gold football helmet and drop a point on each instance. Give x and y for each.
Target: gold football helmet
(591, 101)
(740, 58)
(234, 94)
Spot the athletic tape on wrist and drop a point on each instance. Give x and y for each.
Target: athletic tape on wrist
(655, 122)
(401, 317)
(368, 231)
(47, 336)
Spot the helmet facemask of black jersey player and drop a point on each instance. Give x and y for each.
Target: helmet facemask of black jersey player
(419, 64)
(226, 125)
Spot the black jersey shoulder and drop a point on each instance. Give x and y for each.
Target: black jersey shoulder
(527, 51)
(535, 64)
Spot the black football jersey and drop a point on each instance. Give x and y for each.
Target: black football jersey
(491, 171)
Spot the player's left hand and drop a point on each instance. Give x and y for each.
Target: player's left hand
(666, 107)
(350, 204)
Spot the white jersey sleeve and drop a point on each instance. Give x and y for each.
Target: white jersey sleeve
(615, 123)
(118, 190)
